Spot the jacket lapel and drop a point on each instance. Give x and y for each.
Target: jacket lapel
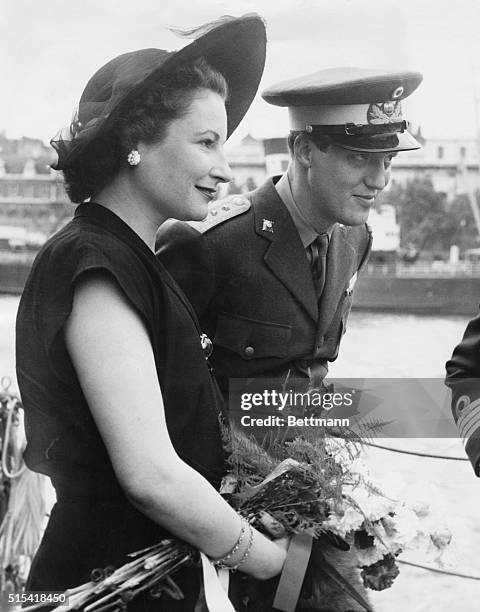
(284, 255)
(341, 266)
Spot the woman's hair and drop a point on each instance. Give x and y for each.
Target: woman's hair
(146, 120)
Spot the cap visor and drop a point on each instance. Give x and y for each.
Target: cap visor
(406, 142)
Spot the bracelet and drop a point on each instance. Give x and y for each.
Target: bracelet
(246, 553)
(222, 562)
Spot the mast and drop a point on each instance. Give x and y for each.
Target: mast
(472, 194)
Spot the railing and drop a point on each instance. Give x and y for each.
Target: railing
(17, 257)
(424, 269)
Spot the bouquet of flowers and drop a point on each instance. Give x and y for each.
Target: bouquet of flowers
(309, 486)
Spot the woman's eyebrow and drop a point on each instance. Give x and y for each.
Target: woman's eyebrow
(205, 132)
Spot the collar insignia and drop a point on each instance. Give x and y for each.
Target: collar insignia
(267, 226)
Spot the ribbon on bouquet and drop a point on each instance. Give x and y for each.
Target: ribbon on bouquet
(215, 586)
(293, 573)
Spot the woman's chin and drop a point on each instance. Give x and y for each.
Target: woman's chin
(199, 213)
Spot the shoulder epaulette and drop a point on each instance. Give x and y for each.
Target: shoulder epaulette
(221, 211)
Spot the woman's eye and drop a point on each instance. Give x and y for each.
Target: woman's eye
(207, 142)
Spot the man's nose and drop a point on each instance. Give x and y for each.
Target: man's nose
(377, 176)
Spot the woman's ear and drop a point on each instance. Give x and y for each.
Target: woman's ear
(302, 151)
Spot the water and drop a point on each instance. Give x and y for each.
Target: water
(375, 345)
(393, 345)
(396, 345)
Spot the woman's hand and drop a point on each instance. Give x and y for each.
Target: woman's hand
(269, 557)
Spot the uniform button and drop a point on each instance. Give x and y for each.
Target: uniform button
(249, 351)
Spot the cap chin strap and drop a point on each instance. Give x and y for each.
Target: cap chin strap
(353, 129)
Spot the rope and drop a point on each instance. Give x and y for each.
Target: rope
(428, 455)
(10, 404)
(438, 571)
(416, 453)
(10, 408)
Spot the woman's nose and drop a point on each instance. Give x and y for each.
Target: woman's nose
(221, 170)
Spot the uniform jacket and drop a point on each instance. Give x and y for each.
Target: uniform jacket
(246, 273)
(463, 377)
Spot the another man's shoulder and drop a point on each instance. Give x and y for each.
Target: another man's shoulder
(187, 234)
(221, 211)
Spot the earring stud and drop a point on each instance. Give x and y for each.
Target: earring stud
(133, 158)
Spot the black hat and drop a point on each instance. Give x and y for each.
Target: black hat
(235, 47)
(359, 108)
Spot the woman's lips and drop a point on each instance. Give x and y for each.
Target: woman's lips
(208, 192)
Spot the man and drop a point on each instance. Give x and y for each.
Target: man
(463, 378)
(271, 273)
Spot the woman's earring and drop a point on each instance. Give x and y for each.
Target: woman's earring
(133, 157)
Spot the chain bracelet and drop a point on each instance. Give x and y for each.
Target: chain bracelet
(222, 563)
(234, 568)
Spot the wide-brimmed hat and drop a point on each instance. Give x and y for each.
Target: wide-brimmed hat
(235, 47)
(360, 109)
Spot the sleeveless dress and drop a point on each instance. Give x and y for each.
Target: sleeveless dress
(93, 525)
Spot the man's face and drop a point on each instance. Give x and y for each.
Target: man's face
(342, 185)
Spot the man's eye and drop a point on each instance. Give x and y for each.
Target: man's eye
(360, 157)
(207, 142)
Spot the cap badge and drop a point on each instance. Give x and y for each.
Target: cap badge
(267, 226)
(384, 112)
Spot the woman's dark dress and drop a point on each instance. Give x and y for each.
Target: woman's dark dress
(93, 525)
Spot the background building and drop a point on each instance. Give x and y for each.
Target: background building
(451, 164)
(33, 202)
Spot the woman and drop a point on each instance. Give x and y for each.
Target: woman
(121, 409)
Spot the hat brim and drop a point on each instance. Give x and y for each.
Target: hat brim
(236, 49)
(402, 141)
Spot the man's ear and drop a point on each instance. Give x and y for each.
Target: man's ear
(302, 150)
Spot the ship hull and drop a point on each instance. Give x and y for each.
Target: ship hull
(444, 296)
(456, 295)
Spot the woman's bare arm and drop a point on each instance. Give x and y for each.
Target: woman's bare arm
(113, 357)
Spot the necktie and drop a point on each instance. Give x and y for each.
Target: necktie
(317, 256)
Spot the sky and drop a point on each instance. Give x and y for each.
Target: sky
(49, 49)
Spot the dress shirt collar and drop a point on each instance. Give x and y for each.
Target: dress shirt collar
(306, 231)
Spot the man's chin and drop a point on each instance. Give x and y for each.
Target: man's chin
(355, 221)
